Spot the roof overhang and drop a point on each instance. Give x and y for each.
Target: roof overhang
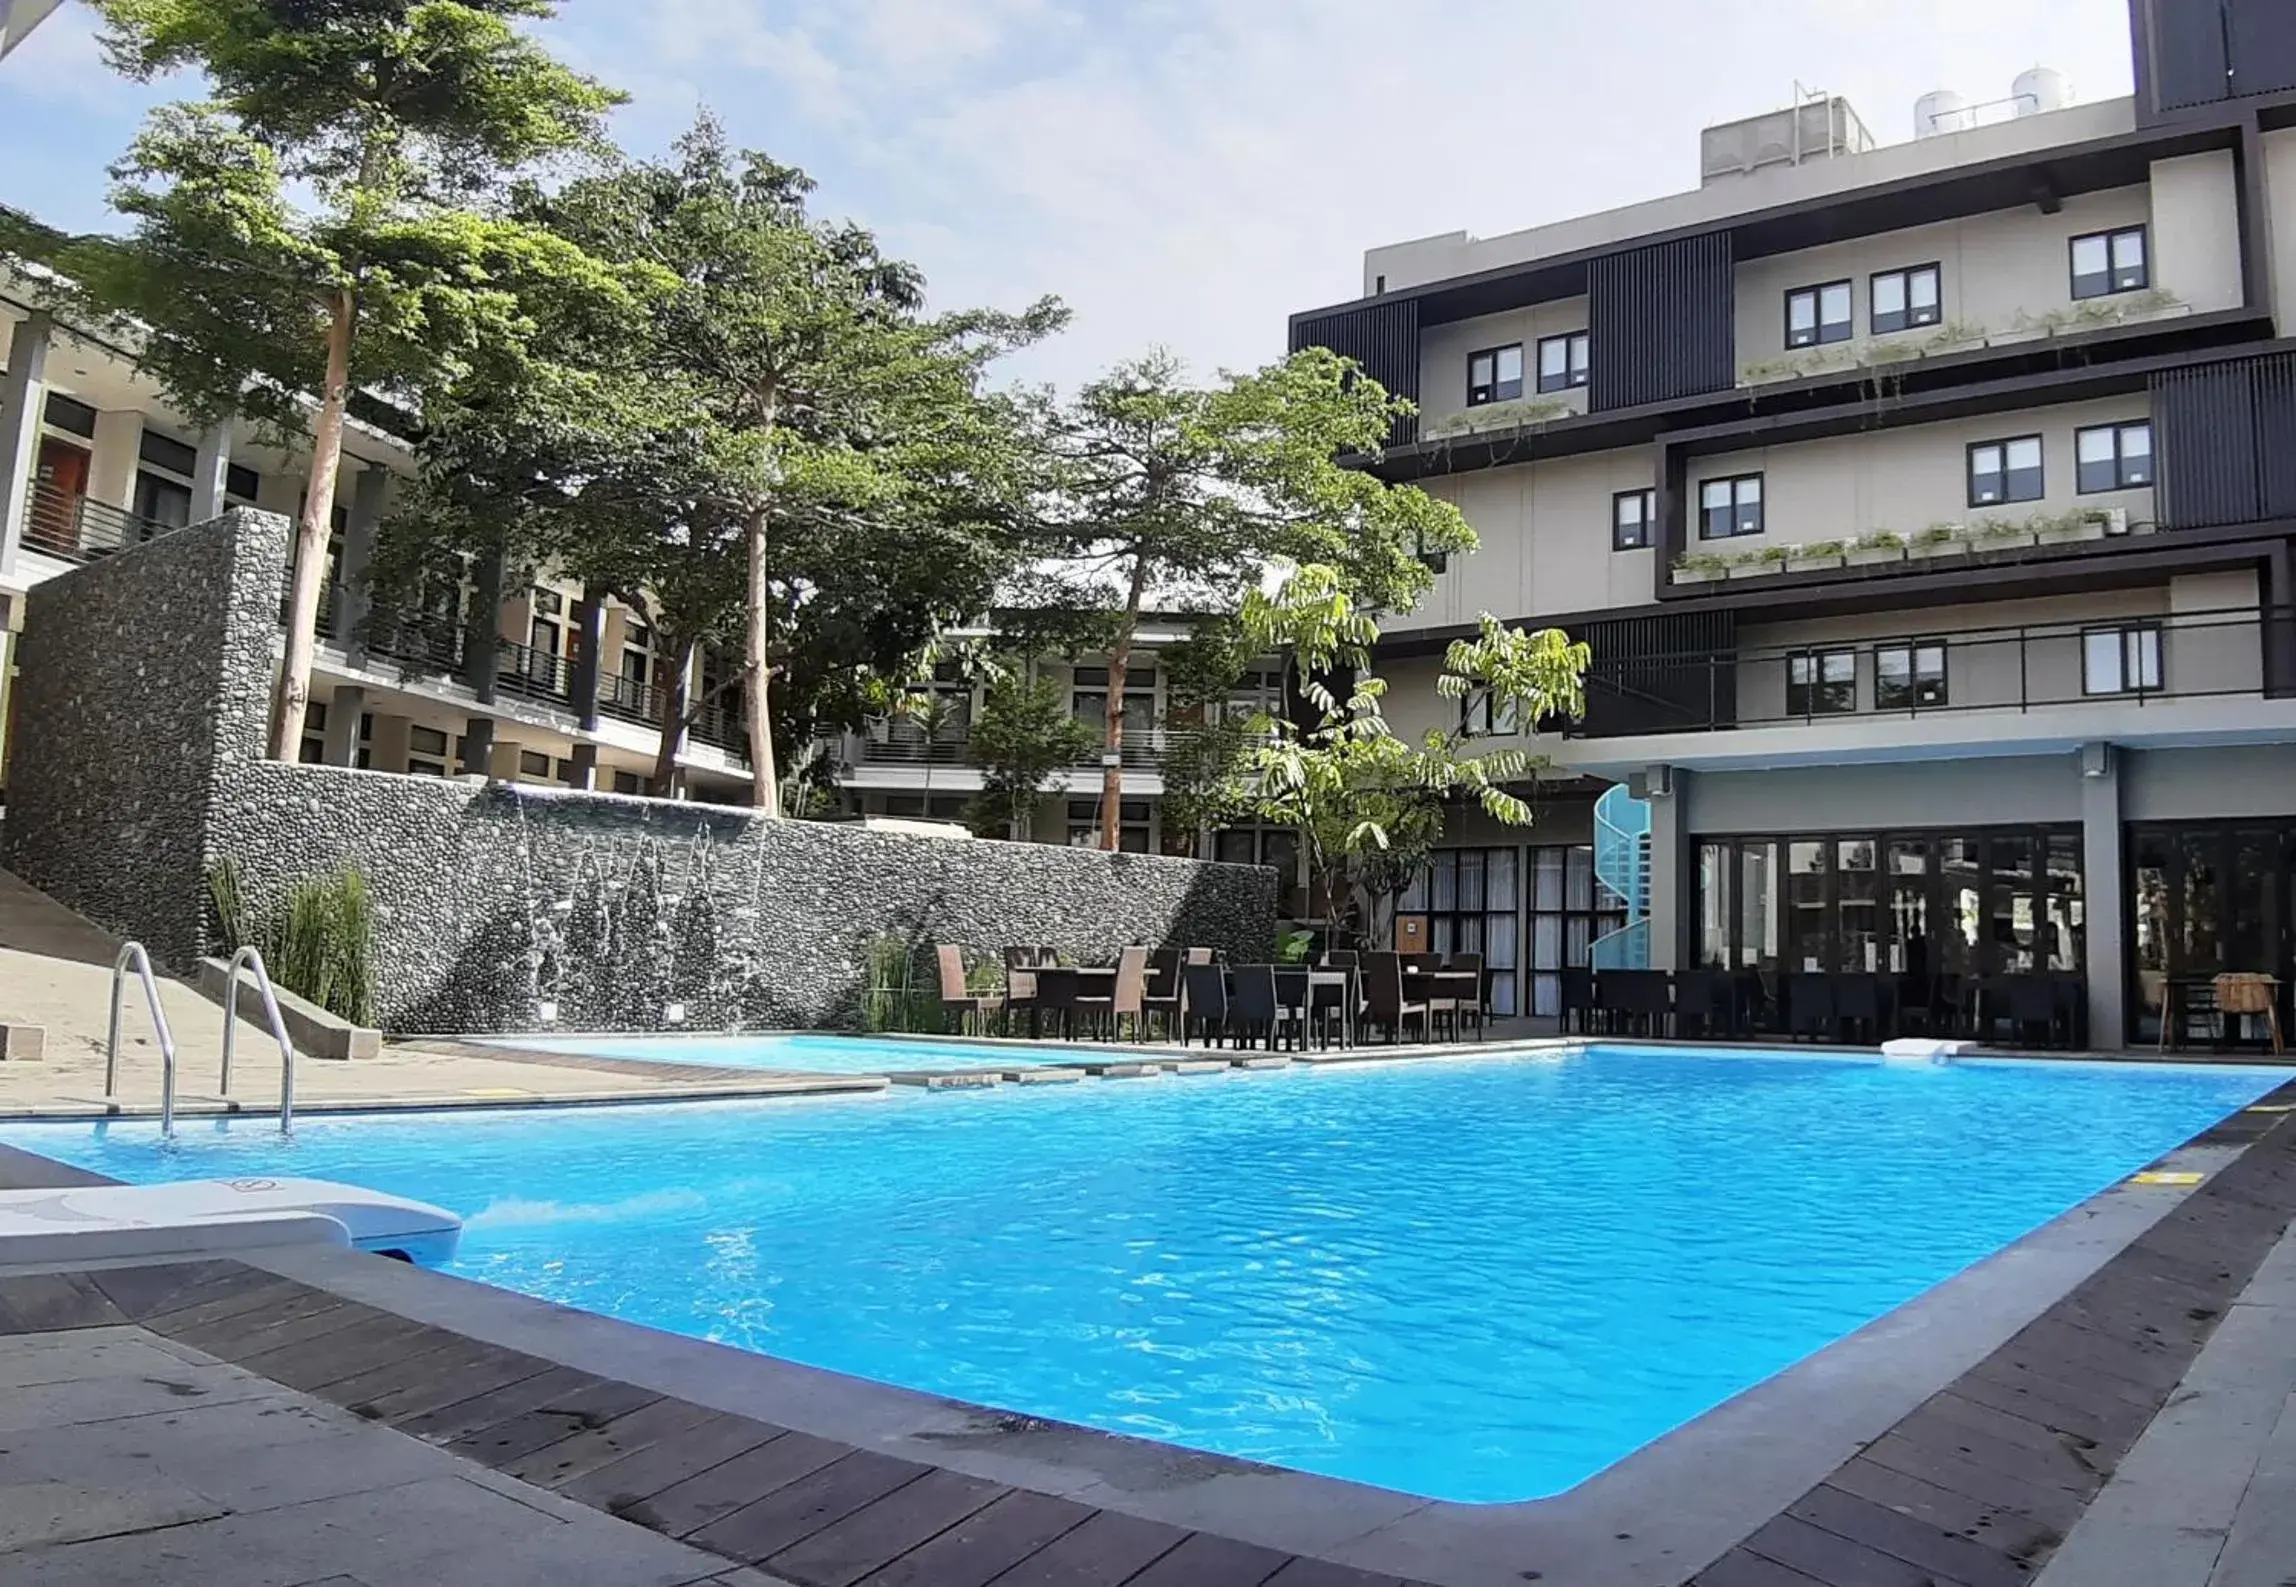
(19, 17)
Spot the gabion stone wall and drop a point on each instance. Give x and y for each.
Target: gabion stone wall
(141, 679)
(142, 701)
(618, 913)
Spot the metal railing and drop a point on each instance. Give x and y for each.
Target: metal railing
(132, 953)
(76, 528)
(247, 958)
(629, 699)
(419, 642)
(533, 674)
(2131, 660)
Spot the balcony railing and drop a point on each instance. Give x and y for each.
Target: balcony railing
(901, 744)
(2139, 661)
(533, 674)
(75, 528)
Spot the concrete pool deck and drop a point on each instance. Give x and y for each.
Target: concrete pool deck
(1957, 1441)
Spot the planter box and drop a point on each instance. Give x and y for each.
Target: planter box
(1943, 548)
(1812, 564)
(1875, 556)
(1699, 575)
(2084, 530)
(1754, 570)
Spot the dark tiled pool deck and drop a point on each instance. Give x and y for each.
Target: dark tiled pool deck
(1978, 1485)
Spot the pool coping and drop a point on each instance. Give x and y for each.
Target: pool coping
(2068, 1340)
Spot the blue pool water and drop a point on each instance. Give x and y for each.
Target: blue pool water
(1476, 1280)
(828, 1055)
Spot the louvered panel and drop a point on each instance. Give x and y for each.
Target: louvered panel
(1662, 322)
(1383, 338)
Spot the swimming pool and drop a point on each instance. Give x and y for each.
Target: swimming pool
(1480, 1280)
(821, 1055)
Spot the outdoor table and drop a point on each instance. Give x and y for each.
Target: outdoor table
(1462, 986)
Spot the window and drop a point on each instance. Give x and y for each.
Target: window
(1730, 507)
(629, 782)
(72, 415)
(2113, 457)
(2105, 262)
(1378, 285)
(426, 740)
(1821, 682)
(1131, 824)
(1562, 361)
(533, 763)
(1275, 847)
(1436, 561)
(426, 768)
(1818, 314)
(1478, 720)
(1495, 375)
(2002, 471)
(161, 501)
(2123, 660)
(1908, 677)
(241, 483)
(1902, 299)
(1472, 901)
(1631, 515)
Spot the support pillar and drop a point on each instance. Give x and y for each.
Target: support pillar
(343, 714)
(589, 623)
(477, 747)
(482, 645)
(211, 473)
(584, 767)
(114, 453)
(2104, 897)
(352, 599)
(23, 400)
(1673, 878)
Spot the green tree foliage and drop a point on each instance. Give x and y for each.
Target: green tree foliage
(1193, 494)
(1207, 745)
(1368, 803)
(333, 214)
(1025, 737)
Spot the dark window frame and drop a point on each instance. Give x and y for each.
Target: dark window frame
(1495, 390)
(1908, 318)
(1649, 500)
(2147, 633)
(2003, 443)
(1578, 361)
(1816, 700)
(1737, 507)
(1913, 650)
(1819, 333)
(2118, 429)
(2113, 284)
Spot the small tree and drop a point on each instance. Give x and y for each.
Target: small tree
(1025, 737)
(1194, 493)
(398, 121)
(1207, 747)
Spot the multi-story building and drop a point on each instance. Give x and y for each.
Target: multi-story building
(1930, 509)
(93, 459)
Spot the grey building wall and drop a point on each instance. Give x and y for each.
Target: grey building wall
(1865, 798)
(2223, 783)
(143, 680)
(145, 684)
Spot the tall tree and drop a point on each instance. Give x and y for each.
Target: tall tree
(331, 215)
(1025, 737)
(1197, 493)
(840, 424)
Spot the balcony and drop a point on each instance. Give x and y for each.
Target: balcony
(75, 528)
(530, 674)
(1882, 686)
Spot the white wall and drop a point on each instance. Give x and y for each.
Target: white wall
(1444, 350)
(2196, 229)
(1545, 529)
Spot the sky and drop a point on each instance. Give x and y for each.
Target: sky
(1185, 174)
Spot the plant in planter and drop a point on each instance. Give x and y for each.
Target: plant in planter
(2058, 528)
(1939, 540)
(2001, 534)
(1518, 414)
(1818, 554)
(1882, 545)
(1750, 564)
(1952, 337)
(1700, 567)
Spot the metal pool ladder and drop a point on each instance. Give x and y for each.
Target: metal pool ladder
(248, 958)
(133, 953)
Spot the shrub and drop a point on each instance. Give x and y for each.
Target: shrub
(321, 946)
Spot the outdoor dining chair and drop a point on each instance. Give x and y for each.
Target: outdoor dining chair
(969, 1009)
(1204, 993)
(1383, 996)
(1164, 998)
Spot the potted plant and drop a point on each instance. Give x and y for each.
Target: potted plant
(1759, 562)
(1882, 545)
(2051, 529)
(2001, 534)
(1815, 556)
(1700, 567)
(1939, 540)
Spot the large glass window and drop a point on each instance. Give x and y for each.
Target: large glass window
(2004, 471)
(1903, 299)
(1857, 903)
(2106, 262)
(1908, 677)
(1473, 901)
(1808, 937)
(2209, 898)
(2113, 457)
(1563, 361)
(1495, 375)
(1728, 508)
(1818, 314)
(1632, 513)
(1714, 906)
(1821, 682)
(2121, 660)
(1569, 910)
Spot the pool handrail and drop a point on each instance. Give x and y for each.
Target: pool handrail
(248, 958)
(133, 953)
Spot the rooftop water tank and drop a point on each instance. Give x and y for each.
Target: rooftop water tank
(1939, 110)
(2040, 89)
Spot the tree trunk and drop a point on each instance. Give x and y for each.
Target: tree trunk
(1119, 664)
(311, 535)
(764, 787)
(674, 710)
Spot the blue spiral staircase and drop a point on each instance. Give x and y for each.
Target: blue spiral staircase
(1622, 864)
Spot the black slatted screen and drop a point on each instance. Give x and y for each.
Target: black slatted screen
(2202, 52)
(1662, 322)
(2226, 434)
(2260, 42)
(1382, 337)
(1667, 674)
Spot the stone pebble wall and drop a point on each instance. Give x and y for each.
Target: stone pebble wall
(474, 883)
(142, 698)
(141, 678)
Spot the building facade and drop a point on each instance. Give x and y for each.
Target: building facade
(1928, 507)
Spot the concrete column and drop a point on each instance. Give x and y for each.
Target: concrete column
(211, 474)
(1673, 869)
(352, 601)
(343, 713)
(482, 640)
(589, 622)
(114, 453)
(387, 750)
(585, 767)
(23, 399)
(2104, 897)
(477, 747)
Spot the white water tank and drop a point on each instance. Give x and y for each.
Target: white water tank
(1939, 110)
(2040, 89)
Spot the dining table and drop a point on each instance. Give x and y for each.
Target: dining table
(1463, 987)
(1099, 981)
